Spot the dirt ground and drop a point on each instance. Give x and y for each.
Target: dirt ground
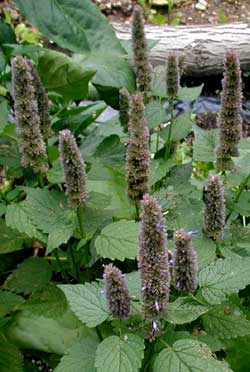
(217, 11)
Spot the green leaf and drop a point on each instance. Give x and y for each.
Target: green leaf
(120, 354)
(11, 359)
(8, 302)
(73, 24)
(158, 83)
(188, 356)
(225, 322)
(159, 168)
(49, 302)
(205, 144)
(49, 212)
(80, 357)
(155, 114)
(18, 218)
(189, 94)
(31, 331)
(32, 274)
(10, 240)
(184, 310)
(62, 75)
(87, 302)
(238, 354)
(182, 126)
(55, 173)
(119, 240)
(224, 277)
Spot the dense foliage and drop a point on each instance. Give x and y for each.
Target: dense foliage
(124, 239)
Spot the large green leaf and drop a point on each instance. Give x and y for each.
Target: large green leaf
(182, 126)
(225, 322)
(74, 24)
(10, 240)
(118, 240)
(11, 359)
(86, 302)
(205, 144)
(188, 356)
(224, 277)
(123, 354)
(32, 274)
(49, 213)
(189, 94)
(8, 302)
(238, 353)
(31, 331)
(80, 357)
(184, 310)
(62, 75)
(155, 114)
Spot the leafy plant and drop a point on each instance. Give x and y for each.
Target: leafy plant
(123, 247)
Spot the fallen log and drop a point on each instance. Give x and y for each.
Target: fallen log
(203, 46)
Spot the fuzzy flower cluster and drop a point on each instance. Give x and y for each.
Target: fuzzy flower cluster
(173, 75)
(74, 169)
(116, 291)
(42, 103)
(124, 98)
(138, 154)
(185, 262)
(153, 260)
(214, 214)
(32, 145)
(230, 122)
(143, 68)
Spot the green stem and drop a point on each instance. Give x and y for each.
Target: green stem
(76, 267)
(168, 143)
(237, 197)
(157, 139)
(80, 217)
(41, 181)
(61, 266)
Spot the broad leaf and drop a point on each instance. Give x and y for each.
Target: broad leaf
(120, 354)
(155, 114)
(224, 277)
(8, 302)
(31, 331)
(32, 274)
(10, 240)
(62, 75)
(182, 126)
(73, 24)
(87, 302)
(184, 310)
(80, 357)
(11, 358)
(188, 356)
(205, 144)
(118, 240)
(225, 322)
(189, 94)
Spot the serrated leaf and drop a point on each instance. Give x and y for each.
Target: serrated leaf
(32, 274)
(49, 212)
(80, 357)
(117, 354)
(188, 356)
(184, 310)
(205, 144)
(225, 322)
(18, 218)
(49, 302)
(11, 358)
(8, 302)
(86, 302)
(11, 241)
(119, 240)
(224, 277)
(31, 331)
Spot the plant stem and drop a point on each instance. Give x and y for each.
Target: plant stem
(157, 139)
(168, 143)
(41, 181)
(76, 267)
(237, 197)
(61, 266)
(80, 217)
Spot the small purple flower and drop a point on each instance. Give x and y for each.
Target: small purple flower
(185, 262)
(116, 291)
